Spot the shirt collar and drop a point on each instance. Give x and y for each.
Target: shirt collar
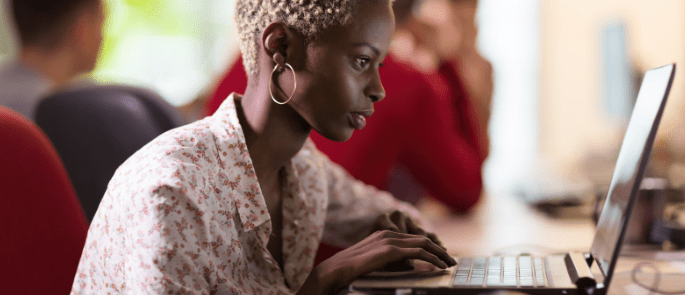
(248, 195)
(248, 192)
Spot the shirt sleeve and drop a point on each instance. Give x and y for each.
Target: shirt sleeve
(435, 146)
(471, 125)
(353, 206)
(166, 240)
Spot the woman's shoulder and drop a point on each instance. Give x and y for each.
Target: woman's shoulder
(174, 158)
(188, 143)
(197, 159)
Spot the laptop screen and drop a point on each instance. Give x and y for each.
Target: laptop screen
(630, 166)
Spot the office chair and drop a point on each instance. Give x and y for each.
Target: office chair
(42, 226)
(96, 128)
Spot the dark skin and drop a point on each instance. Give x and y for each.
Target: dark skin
(337, 82)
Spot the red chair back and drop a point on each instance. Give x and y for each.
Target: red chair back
(42, 226)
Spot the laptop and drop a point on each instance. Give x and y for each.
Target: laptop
(570, 273)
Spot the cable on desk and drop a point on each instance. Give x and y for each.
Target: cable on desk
(657, 279)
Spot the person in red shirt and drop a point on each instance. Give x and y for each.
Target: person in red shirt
(429, 123)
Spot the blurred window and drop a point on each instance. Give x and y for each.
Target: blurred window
(175, 47)
(509, 36)
(7, 44)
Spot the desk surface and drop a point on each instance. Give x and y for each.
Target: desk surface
(501, 224)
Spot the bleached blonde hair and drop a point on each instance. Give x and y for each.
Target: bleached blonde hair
(308, 17)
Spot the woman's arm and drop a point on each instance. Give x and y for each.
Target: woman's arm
(163, 241)
(354, 206)
(357, 214)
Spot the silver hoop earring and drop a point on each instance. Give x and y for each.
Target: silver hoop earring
(271, 81)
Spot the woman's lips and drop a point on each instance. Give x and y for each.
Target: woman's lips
(358, 119)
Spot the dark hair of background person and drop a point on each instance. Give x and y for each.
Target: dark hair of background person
(45, 23)
(403, 8)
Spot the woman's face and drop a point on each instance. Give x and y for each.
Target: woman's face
(339, 81)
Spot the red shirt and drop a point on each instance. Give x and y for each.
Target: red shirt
(425, 123)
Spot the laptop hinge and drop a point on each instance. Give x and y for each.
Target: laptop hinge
(589, 259)
(579, 271)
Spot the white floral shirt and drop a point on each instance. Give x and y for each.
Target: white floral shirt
(185, 215)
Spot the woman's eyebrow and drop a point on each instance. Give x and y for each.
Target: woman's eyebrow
(366, 44)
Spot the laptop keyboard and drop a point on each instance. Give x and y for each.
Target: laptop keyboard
(500, 271)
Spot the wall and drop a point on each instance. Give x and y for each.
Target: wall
(573, 122)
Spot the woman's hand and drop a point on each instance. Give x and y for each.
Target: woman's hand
(399, 222)
(373, 253)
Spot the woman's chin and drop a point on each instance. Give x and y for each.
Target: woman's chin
(338, 135)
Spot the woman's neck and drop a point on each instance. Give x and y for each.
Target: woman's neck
(274, 134)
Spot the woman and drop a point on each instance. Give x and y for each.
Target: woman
(432, 125)
(238, 202)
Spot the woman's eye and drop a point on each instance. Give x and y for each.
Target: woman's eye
(363, 61)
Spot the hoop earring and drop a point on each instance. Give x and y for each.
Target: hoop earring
(271, 80)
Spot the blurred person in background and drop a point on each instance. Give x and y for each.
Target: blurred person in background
(434, 122)
(59, 40)
(438, 38)
(444, 36)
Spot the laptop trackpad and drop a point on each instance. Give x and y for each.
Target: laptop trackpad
(424, 275)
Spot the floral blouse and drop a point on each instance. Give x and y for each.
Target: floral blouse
(185, 215)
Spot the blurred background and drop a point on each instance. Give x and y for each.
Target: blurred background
(566, 74)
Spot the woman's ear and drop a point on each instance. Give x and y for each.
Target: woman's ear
(276, 41)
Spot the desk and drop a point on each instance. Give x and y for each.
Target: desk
(504, 225)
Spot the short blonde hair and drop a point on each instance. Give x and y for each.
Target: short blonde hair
(308, 17)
